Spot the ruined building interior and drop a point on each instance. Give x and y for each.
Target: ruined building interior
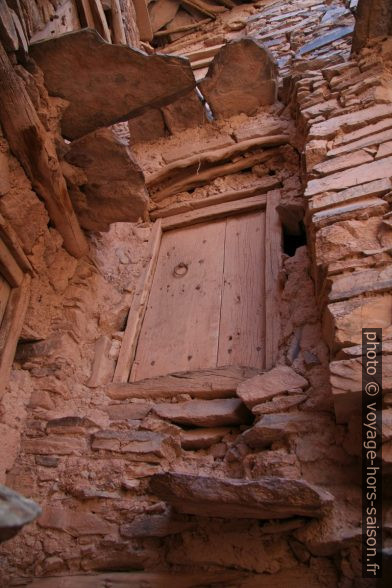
(195, 227)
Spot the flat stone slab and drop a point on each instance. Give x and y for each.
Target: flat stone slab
(202, 438)
(342, 180)
(205, 413)
(73, 522)
(265, 498)
(107, 83)
(145, 446)
(241, 78)
(319, 42)
(265, 386)
(15, 512)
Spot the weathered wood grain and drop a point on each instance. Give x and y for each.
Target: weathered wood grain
(36, 152)
(181, 326)
(213, 212)
(242, 325)
(273, 262)
(137, 309)
(264, 185)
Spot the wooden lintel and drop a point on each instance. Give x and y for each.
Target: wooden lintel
(214, 212)
(217, 155)
(203, 177)
(265, 185)
(273, 262)
(11, 327)
(137, 309)
(35, 150)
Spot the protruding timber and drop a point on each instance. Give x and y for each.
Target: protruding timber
(34, 149)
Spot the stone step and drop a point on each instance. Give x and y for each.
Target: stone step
(265, 498)
(205, 413)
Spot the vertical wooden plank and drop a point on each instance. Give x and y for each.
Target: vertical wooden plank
(85, 15)
(117, 24)
(273, 262)
(242, 325)
(180, 331)
(5, 290)
(101, 24)
(11, 327)
(143, 20)
(137, 309)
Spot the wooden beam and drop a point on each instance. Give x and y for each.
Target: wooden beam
(201, 178)
(183, 29)
(11, 240)
(213, 212)
(203, 53)
(206, 9)
(265, 185)
(204, 384)
(117, 24)
(216, 155)
(138, 308)
(85, 15)
(8, 34)
(8, 266)
(11, 327)
(101, 24)
(273, 263)
(202, 63)
(35, 150)
(143, 20)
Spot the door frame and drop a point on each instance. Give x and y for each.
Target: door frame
(210, 212)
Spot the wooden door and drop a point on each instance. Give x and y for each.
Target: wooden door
(5, 289)
(206, 306)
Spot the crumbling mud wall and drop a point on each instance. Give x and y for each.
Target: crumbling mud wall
(234, 478)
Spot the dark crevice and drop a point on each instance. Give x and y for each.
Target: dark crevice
(292, 242)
